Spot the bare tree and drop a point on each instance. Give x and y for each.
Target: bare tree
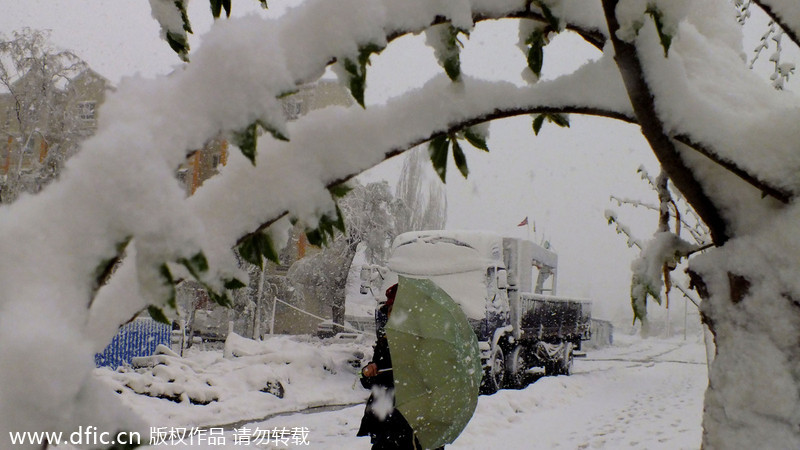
(419, 208)
(371, 219)
(39, 120)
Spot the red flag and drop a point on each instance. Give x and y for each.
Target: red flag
(524, 222)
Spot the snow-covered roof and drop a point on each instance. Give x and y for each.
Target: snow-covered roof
(441, 252)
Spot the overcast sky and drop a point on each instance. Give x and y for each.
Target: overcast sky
(561, 179)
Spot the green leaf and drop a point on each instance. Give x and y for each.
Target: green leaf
(227, 5)
(220, 299)
(315, 237)
(181, 5)
(437, 149)
(274, 132)
(658, 18)
(256, 247)
(169, 282)
(158, 314)
(340, 190)
(166, 274)
(196, 265)
(451, 58)
(548, 15)
(536, 52)
(263, 4)
(268, 249)
(537, 123)
(459, 158)
(357, 82)
(351, 67)
(476, 139)
(106, 267)
(179, 45)
(357, 71)
(247, 140)
(326, 228)
(102, 270)
(250, 251)
(216, 8)
(234, 284)
(365, 52)
(561, 120)
(452, 66)
(339, 222)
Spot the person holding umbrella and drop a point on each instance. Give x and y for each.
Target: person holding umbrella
(427, 398)
(385, 425)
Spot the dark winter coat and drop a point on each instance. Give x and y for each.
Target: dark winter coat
(393, 431)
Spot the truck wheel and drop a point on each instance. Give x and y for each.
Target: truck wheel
(516, 365)
(494, 376)
(550, 368)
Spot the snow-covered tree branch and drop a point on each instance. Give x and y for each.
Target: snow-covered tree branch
(673, 67)
(784, 14)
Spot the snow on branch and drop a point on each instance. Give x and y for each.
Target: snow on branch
(642, 99)
(327, 149)
(785, 14)
(237, 42)
(651, 270)
(675, 99)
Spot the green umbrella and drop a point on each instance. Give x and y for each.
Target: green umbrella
(436, 362)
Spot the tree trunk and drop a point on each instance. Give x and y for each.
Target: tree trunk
(340, 292)
(753, 398)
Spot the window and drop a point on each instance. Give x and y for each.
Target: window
(86, 110)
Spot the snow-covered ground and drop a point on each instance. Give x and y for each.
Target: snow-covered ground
(639, 394)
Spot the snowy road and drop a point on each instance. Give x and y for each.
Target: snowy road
(639, 394)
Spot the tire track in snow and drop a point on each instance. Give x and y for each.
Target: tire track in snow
(309, 410)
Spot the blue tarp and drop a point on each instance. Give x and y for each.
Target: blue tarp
(138, 338)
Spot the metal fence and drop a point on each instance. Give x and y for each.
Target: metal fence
(602, 333)
(137, 338)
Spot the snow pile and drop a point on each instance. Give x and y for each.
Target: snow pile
(248, 380)
(171, 379)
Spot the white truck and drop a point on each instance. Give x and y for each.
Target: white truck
(521, 325)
